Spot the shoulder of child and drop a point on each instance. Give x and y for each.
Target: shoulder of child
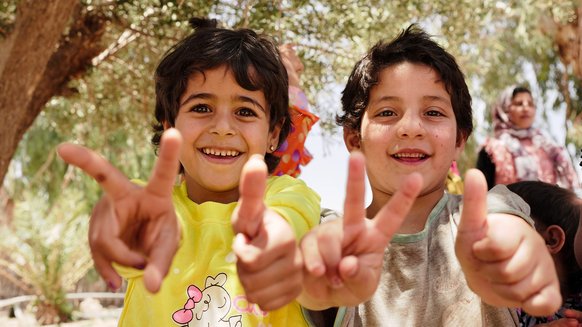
(501, 200)
(328, 214)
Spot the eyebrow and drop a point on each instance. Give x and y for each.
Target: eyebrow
(426, 97)
(250, 100)
(194, 96)
(437, 98)
(241, 98)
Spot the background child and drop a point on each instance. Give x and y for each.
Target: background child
(407, 108)
(292, 151)
(225, 92)
(556, 212)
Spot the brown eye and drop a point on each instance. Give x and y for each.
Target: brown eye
(246, 112)
(434, 113)
(200, 108)
(386, 113)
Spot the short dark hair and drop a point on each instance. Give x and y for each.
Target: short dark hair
(554, 205)
(253, 59)
(415, 46)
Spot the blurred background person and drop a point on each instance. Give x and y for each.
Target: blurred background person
(517, 151)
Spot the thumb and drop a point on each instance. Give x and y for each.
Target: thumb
(247, 217)
(474, 212)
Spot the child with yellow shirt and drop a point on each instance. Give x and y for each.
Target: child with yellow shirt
(220, 239)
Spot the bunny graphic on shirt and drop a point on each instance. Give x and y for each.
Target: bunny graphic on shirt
(208, 307)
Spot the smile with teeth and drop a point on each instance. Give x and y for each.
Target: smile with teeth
(220, 153)
(415, 155)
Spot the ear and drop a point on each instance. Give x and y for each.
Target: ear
(555, 238)
(166, 125)
(273, 139)
(352, 139)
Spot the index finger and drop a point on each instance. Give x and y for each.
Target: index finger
(287, 47)
(354, 208)
(102, 171)
(164, 173)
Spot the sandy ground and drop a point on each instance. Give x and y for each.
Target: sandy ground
(90, 314)
(13, 322)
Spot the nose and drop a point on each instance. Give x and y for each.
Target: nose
(222, 124)
(410, 126)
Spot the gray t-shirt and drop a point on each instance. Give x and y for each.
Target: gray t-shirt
(422, 283)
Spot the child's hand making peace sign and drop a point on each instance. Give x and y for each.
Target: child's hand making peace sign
(343, 258)
(133, 226)
(269, 263)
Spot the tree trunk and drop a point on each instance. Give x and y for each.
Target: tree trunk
(37, 60)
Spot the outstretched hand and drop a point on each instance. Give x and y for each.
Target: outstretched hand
(292, 63)
(133, 226)
(343, 258)
(268, 261)
(505, 260)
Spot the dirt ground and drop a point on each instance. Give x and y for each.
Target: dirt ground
(89, 314)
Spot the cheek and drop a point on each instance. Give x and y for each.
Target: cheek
(257, 138)
(376, 133)
(184, 126)
(444, 137)
(513, 116)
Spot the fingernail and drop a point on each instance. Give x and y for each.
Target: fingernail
(140, 266)
(111, 286)
(317, 270)
(336, 282)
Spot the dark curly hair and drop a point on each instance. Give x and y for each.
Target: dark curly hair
(415, 46)
(554, 205)
(253, 59)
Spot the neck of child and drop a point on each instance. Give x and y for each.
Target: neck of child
(418, 214)
(199, 194)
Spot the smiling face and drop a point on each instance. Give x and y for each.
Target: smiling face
(408, 126)
(222, 125)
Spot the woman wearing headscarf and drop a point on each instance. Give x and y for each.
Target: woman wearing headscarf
(517, 151)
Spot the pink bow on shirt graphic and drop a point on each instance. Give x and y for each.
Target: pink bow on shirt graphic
(184, 316)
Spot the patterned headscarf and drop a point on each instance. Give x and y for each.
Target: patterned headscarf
(512, 162)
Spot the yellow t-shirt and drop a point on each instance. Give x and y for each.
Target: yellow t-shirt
(202, 286)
